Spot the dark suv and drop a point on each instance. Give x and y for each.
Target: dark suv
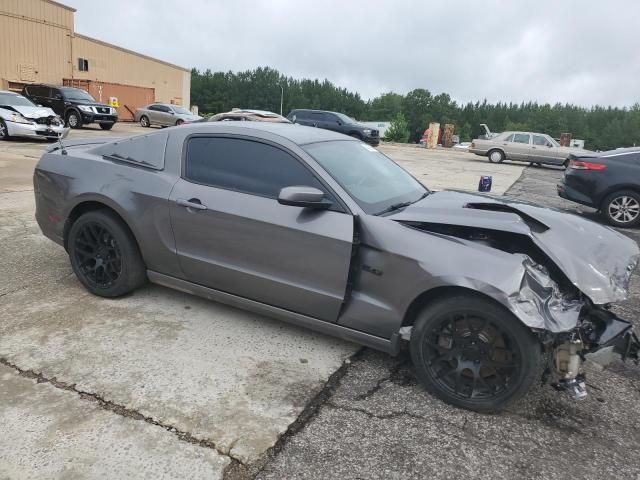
(338, 122)
(75, 105)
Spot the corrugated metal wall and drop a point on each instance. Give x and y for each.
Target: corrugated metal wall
(129, 97)
(112, 64)
(38, 44)
(35, 36)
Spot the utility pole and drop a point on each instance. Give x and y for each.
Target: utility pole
(281, 98)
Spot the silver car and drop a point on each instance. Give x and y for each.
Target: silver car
(319, 229)
(537, 148)
(20, 117)
(164, 114)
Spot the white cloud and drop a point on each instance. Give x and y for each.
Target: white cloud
(557, 51)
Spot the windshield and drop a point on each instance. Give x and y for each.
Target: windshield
(181, 110)
(373, 180)
(15, 100)
(344, 119)
(77, 94)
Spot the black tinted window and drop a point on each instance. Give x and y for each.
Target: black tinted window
(38, 91)
(245, 166)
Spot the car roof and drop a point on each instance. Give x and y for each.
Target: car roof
(312, 110)
(297, 134)
(9, 92)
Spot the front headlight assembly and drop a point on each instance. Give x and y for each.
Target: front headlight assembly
(85, 108)
(367, 131)
(17, 118)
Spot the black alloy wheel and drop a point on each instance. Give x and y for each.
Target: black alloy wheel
(105, 255)
(4, 131)
(474, 355)
(98, 255)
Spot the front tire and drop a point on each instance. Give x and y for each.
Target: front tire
(144, 121)
(4, 131)
(74, 120)
(106, 126)
(474, 354)
(496, 156)
(622, 208)
(104, 254)
(179, 122)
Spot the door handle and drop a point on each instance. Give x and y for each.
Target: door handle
(193, 203)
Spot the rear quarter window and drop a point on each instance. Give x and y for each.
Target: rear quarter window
(145, 150)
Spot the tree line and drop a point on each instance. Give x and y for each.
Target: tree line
(602, 128)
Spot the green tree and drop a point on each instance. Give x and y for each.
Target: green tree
(398, 131)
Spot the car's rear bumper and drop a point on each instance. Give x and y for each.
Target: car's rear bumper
(477, 151)
(569, 193)
(34, 130)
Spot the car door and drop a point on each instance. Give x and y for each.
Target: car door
(542, 150)
(55, 100)
(232, 234)
(519, 147)
(318, 119)
(332, 123)
(167, 115)
(155, 115)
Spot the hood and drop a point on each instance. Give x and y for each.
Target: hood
(595, 258)
(33, 112)
(88, 103)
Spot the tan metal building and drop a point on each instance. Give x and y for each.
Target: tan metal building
(39, 45)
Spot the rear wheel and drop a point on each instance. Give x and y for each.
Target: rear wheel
(179, 122)
(622, 208)
(144, 121)
(474, 354)
(4, 131)
(496, 156)
(106, 126)
(74, 120)
(104, 255)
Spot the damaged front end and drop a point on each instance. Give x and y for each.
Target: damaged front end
(562, 295)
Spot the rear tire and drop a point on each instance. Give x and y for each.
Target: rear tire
(179, 122)
(495, 156)
(104, 254)
(622, 208)
(144, 121)
(474, 354)
(106, 126)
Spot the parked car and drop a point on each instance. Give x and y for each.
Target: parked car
(19, 117)
(248, 115)
(323, 231)
(164, 114)
(76, 106)
(337, 122)
(607, 181)
(530, 147)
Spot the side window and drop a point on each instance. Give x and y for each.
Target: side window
(541, 141)
(509, 138)
(52, 93)
(317, 117)
(155, 108)
(245, 166)
(521, 138)
(330, 117)
(164, 109)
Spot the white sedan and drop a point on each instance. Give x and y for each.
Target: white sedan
(19, 117)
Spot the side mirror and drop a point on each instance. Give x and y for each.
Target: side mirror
(306, 197)
(171, 112)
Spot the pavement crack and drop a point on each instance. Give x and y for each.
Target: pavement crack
(118, 409)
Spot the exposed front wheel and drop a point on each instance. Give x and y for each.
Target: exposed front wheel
(474, 354)
(622, 209)
(4, 131)
(74, 120)
(104, 255)
(496, 156)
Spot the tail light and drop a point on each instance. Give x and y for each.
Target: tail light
(581, 165)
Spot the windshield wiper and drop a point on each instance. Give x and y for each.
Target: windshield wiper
(398, 206)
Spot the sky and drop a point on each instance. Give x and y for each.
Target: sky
(570, 51)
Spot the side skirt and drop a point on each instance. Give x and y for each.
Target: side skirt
(332, 329)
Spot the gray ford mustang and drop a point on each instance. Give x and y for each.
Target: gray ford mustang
(324, 231)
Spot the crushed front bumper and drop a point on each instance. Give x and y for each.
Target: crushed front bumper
(604, 331)
(34, 130)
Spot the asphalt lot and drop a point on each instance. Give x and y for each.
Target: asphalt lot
(164, 385)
